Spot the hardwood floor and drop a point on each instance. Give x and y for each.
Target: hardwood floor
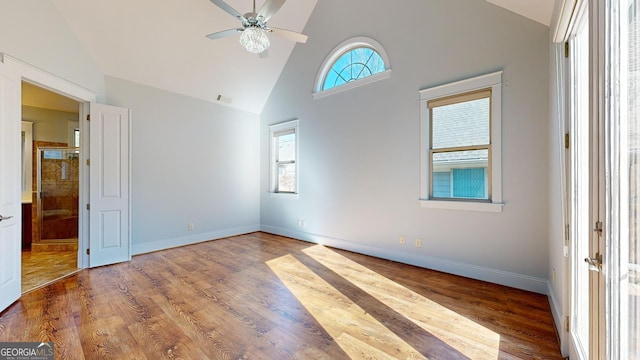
(261, 296)
(42, 267)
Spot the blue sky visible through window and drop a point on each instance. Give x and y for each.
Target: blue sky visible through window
(353, 65)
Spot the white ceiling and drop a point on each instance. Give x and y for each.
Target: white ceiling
(36, 96)
(538, 10)
(162, 43)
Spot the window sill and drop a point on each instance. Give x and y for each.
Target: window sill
(352, 85)
(462, 205)
(292, 196)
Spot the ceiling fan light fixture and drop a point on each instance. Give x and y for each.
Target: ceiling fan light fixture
(254, 40)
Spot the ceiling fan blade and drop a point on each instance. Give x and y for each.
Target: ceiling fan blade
(269, 8)
(224, 6)
(289, 35)
(224, 33)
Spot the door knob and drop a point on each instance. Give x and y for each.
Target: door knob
(595, 264)
(5, 217)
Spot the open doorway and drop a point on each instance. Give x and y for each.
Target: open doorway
(105, 231)
(50, 186)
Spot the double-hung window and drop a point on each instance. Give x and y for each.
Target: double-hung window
(284, 158)
(461, 145)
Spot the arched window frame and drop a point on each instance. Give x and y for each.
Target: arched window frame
(336, 53)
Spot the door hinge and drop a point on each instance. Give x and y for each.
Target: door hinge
(599, 227)
(566, 324)
(88, 207)
(88, 162)
(88, 251)
(565, 248)
(566, 49)
(88, 117)
(566, 141)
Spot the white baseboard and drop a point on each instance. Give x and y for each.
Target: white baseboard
(558, 318)
(151, 246)
(495, 276)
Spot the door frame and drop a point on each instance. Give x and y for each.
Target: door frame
(84, 96)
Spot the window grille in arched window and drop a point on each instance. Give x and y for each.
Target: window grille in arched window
(353, 65)
(355, 62)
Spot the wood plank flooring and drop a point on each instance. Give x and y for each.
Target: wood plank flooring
(261, 296)
(42, 267)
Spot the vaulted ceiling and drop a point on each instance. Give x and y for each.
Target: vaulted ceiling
(162, 43)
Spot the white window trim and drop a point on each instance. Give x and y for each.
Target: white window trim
(72, 126)
(27, 162)
(338, 51)
(273, 173)
(493, 81)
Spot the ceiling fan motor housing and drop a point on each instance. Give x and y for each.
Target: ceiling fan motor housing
(256, 20)
(253, 19)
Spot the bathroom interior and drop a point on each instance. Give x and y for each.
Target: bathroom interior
(50, 186)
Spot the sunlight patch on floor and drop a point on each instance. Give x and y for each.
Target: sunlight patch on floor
(466, 336)
(359, 334)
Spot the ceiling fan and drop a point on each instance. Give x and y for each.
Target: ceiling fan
(254, 26)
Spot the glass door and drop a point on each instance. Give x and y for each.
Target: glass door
(58, 185)
(623, 128)
(630, 254)
(605, 180)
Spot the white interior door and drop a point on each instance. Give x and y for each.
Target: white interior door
(10, 190)
(581, 183)
(109, 220)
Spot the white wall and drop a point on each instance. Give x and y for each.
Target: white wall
(34, 31)
(192, 162)
(49, 125)
(359, 150)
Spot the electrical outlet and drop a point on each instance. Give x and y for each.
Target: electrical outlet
(403, 240)
(301, 223)
(190, 227)
(418, 243)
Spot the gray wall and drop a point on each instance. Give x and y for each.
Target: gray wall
(359, 150)
(198, 162)
(192, 162)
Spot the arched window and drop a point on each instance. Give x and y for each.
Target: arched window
(355, 62)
